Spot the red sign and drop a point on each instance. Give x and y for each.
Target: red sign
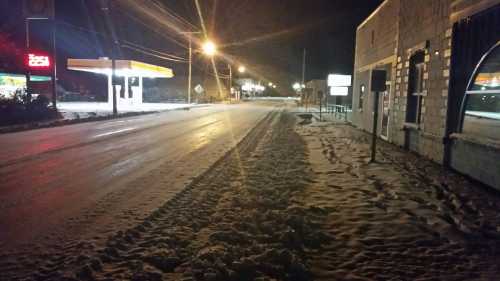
(38, 61)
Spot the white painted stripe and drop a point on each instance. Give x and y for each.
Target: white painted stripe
(114, 132)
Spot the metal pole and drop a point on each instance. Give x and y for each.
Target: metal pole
(113, 79)
(28, 71)
(230, 80)
(54, 71)
(304, 67)
(106, 7)
(190, 69)
(375, 126)
(320, 108)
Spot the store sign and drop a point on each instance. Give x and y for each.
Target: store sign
(38, 61)
(338, 80)
(339, 91)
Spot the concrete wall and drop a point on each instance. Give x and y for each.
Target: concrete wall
(423, 26)
(376, 41)
(476, 160)
(376, 37)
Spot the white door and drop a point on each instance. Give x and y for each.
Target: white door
(386, 98)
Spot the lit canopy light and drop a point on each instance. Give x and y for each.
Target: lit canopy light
(38, 61)
(241, 69)
(128, 69)
(296, 86)
(339, 80)
(247, 87)
(209, 48)
(339, 91)
(270, 84)
(123, 68)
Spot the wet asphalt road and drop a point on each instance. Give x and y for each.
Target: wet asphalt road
(92, 179)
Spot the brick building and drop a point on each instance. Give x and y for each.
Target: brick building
(436, 103)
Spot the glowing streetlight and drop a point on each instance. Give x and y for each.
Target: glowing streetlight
(296, 86)
(242, 69)
(209, 48)
(270, 84)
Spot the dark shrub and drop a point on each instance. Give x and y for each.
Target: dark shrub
(16, 110)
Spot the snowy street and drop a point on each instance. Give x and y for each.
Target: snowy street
(291, 201)
(66, 184)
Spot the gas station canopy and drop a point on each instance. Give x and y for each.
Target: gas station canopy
(127, 68)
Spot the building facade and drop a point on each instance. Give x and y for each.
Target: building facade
(442, 59)
(316, 91)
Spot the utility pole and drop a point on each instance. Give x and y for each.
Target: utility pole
(190, 68)
(304, 67)
(28, 70)
(230, 80)
(54, 65)
(106, 7)
(113, 79)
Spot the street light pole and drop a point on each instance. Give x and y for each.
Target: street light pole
(304, 67)
(190, 68)
(230, 80)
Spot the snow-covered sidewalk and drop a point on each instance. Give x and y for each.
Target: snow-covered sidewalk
(403, 218)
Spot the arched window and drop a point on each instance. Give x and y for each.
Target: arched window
(481, 105)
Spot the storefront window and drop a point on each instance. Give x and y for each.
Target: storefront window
(482, 100)
(415, 88)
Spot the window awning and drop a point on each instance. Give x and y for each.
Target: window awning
(123, 68)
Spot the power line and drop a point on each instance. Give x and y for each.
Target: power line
(148, 26)
(155, 51)
(174, 14)
(152, 54)
(171, 56)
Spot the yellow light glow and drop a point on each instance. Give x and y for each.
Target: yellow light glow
(209, 48)
(241, 69)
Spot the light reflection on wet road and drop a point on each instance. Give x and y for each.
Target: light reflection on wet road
(90, 174)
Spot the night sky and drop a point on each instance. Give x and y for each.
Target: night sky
(268, 36)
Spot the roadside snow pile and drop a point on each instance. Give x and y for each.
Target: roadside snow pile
(82, 110)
